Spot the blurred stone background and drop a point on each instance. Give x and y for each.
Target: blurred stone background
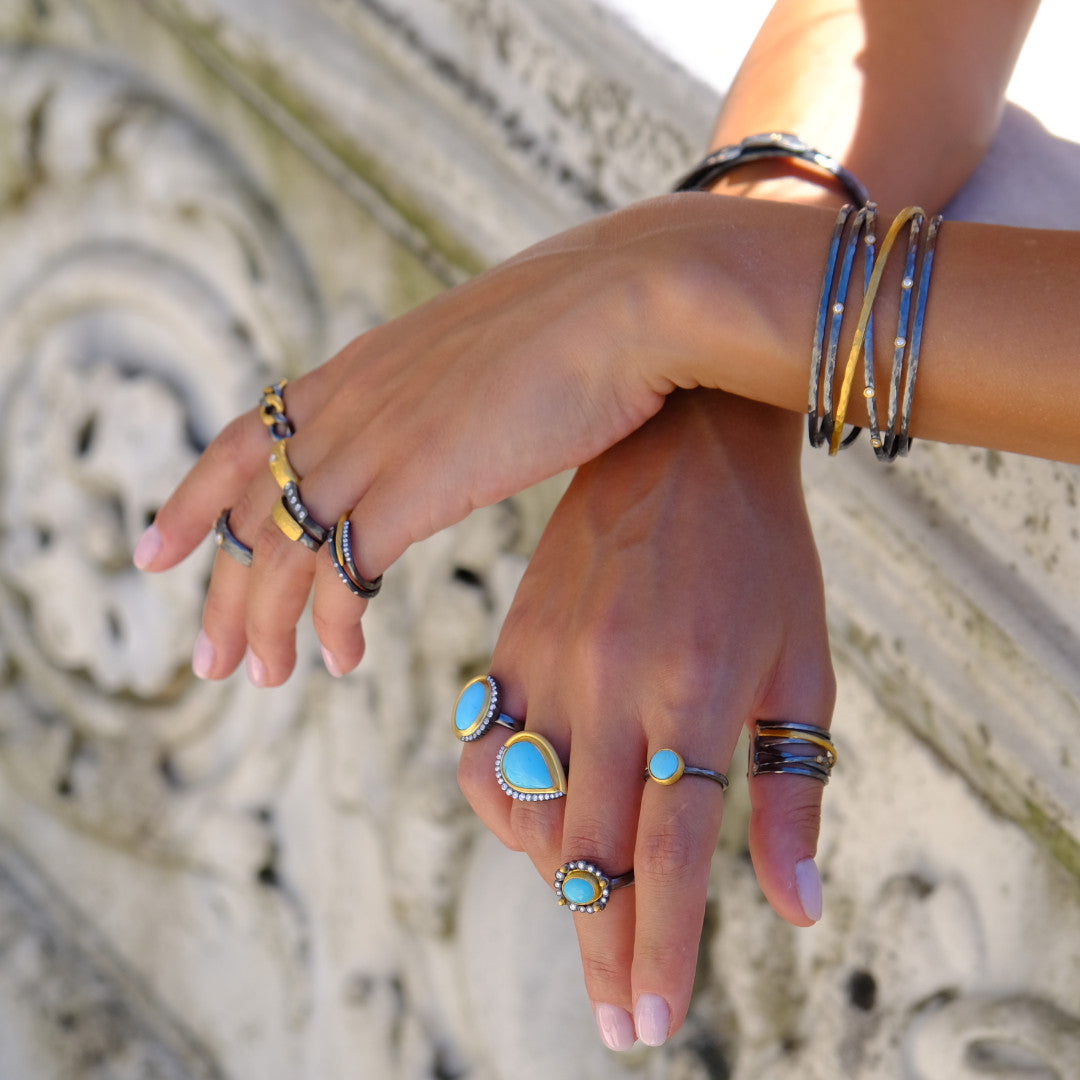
(209, 881)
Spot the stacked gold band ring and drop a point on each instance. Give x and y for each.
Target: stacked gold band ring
(782, 746)
(342, 557)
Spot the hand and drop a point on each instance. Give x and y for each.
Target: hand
(674, 597)
(510, 378)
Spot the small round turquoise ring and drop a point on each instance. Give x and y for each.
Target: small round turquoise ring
(582, 886)
(477, 709)
(667, 767)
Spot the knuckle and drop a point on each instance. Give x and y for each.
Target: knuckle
(537, 830)
(589, 838)
(602, 968)
(668, 852)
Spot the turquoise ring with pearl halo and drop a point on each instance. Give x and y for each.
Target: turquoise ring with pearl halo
(477, 708)
(582, 886)
(667, 767)
(528, 768)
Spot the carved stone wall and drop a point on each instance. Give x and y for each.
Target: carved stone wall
(205, 880)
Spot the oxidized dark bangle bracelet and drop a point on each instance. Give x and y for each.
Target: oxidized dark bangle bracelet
(772, 144)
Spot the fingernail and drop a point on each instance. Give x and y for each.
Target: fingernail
(256, 669)
(147, 548)
(615, 1025)
(331, 663)
(808, 886)
(202, 656)
(652, 1018)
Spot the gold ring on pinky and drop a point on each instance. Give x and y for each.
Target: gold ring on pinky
(342, 557)
(783, 746)
(280, 467)
(290, 526)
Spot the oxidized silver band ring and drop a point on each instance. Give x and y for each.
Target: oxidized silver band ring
(782, 746)
(477, 709)
(227, 541)
(528, 768)
(284, 520)
(272, 411)
(342, 557)
(582, 886)
(667, 767)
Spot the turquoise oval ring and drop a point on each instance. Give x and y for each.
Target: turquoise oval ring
(583, 886)
(477, 709)
(528, 768)
(667, 767)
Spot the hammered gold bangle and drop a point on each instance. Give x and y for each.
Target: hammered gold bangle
(915, 215)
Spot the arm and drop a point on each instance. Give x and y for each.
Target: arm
(673, 507)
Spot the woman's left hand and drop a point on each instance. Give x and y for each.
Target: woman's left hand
(674, 597)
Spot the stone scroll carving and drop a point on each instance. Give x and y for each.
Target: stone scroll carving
(205, 880)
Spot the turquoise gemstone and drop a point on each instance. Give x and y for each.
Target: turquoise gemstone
(582, 891)
(470, 705)
(524, 768)
(664, 764)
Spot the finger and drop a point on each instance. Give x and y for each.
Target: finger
(677, 832)
(337, 615)
(600, 821)
(476, 768)
(283, 563)
(281, 575)
(215, 481)
(221, 642)
(784, 825)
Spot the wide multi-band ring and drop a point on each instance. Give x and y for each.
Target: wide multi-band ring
(784, 746)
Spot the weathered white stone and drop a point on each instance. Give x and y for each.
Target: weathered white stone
(196, 880)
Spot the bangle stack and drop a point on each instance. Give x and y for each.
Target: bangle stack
(857, 220)
(824, 421)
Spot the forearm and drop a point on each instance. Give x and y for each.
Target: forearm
(997, 369)
(908, 95)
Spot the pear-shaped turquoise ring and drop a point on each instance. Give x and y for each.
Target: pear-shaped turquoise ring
(667, 767)
(528, 768)
(583, 886)
(477, 709)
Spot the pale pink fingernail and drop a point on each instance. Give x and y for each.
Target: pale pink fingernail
(331, 663)
(808, 886)
(202, 656)
(615, 1025)
(146, 550)
(652, 1019)
(256, 669)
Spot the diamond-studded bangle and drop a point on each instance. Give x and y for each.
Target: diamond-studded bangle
(850, 223)
(775, 145)
(902, 441)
